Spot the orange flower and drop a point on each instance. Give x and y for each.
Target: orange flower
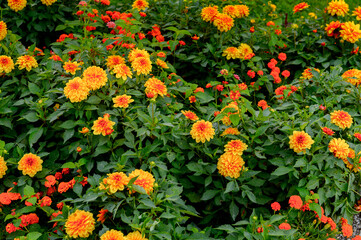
(332, 27)
(231, 52)
(350, 32)
(230, 10)
(48, 2)
(114, 60)
(3, 167)
(84, 130)
(245, 51)
(63, 187)
(50, 181)
(307, 74)
(45, 201)
(95, 77)
(155, 87)
(337, 7)
(295, 202)
(192, 99)
(352, 76)
(347, 230)
(71, 67)
(230, 131)
(223, 22)
(114, 182)
(101, 216)
(263, 104)
(17, 5)
(341, 119)
(328, 131)
(103, 126)
(284, 226)
(230, 165)
(357, 13)
(235, 147)
(358, 136)
(122, 101)
(300, 141)
(145, 179)
(339, 148)
(276, 206)
(113, 235)
(30, 164)
(161, 63)
(243, 11)
(202, 131)
(27, 62)
(3, 30)
(137, 53)
(135, 236)
(140, 5)
(208, 14)
(190, 115)
(300, 7)
(122, 71)
(142, 65)
(80, 224)
(76, 90)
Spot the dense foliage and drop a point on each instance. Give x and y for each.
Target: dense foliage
(179, 120)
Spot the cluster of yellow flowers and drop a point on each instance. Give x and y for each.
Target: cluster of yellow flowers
(244, 51)
(118, 180)
(231, 163)
(224, 21)
(352, 76)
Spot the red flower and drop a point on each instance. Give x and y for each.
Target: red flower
(284, 226)
(282, 56)
(260, 73)
(286, 73)
(251, 73)
(220, 88)
(251, 30)
(276, 206)
(328, 131)
(295, 202)
(358, 136)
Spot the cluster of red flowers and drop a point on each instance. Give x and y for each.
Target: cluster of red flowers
(8, 196)
(156, 33)
(51, 181)
(26, 220)
(275, 71)
(279, 91)
(63, 36)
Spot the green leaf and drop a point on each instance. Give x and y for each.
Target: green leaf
(148, 203)
(69, 124)
(93, 100)
(282, 171)
(261, 130)
(68, 165)
(31, 117)
(33, 235)
(317, 208)
(35, 135)
(34, 89)
(6, 122)
(204, 97)
(234, 210)
(209, 194)
(234, 119)
(28, 191)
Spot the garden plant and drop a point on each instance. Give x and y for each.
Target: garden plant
(180, 119)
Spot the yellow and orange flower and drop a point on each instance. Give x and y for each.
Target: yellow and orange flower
(230, 165)
(223, 22)
(113, 235)
(48, 2)
(3, 30)
(202, 131)
(6, 64)
(17, 5)
(208, 14)
(243, 11)
(234, 110)
(135, 236)
(231, 52)
(145, 179)
(28, 62)
(332, 27)
(357, 13)
(71, 67)
(122, 71)
(155, 87)
(341, 119)
(114, 60)
(337, 7)
(230, 131)
(190, 115)
(161, 63)
(230, 10)
(95, 77)
(244, 51)
(80, 224)
(122, 101)
(299, 7)
(76, 90)
(102, 214)
(339, 148)
(3, 167)
(352, 76)
(300, 141)
(140, 5)
(142, 65)
(114, 182)
(307, 74)
(137, 53)
(350, 32)
(30, 164)
(235, 147)
(103, 126)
